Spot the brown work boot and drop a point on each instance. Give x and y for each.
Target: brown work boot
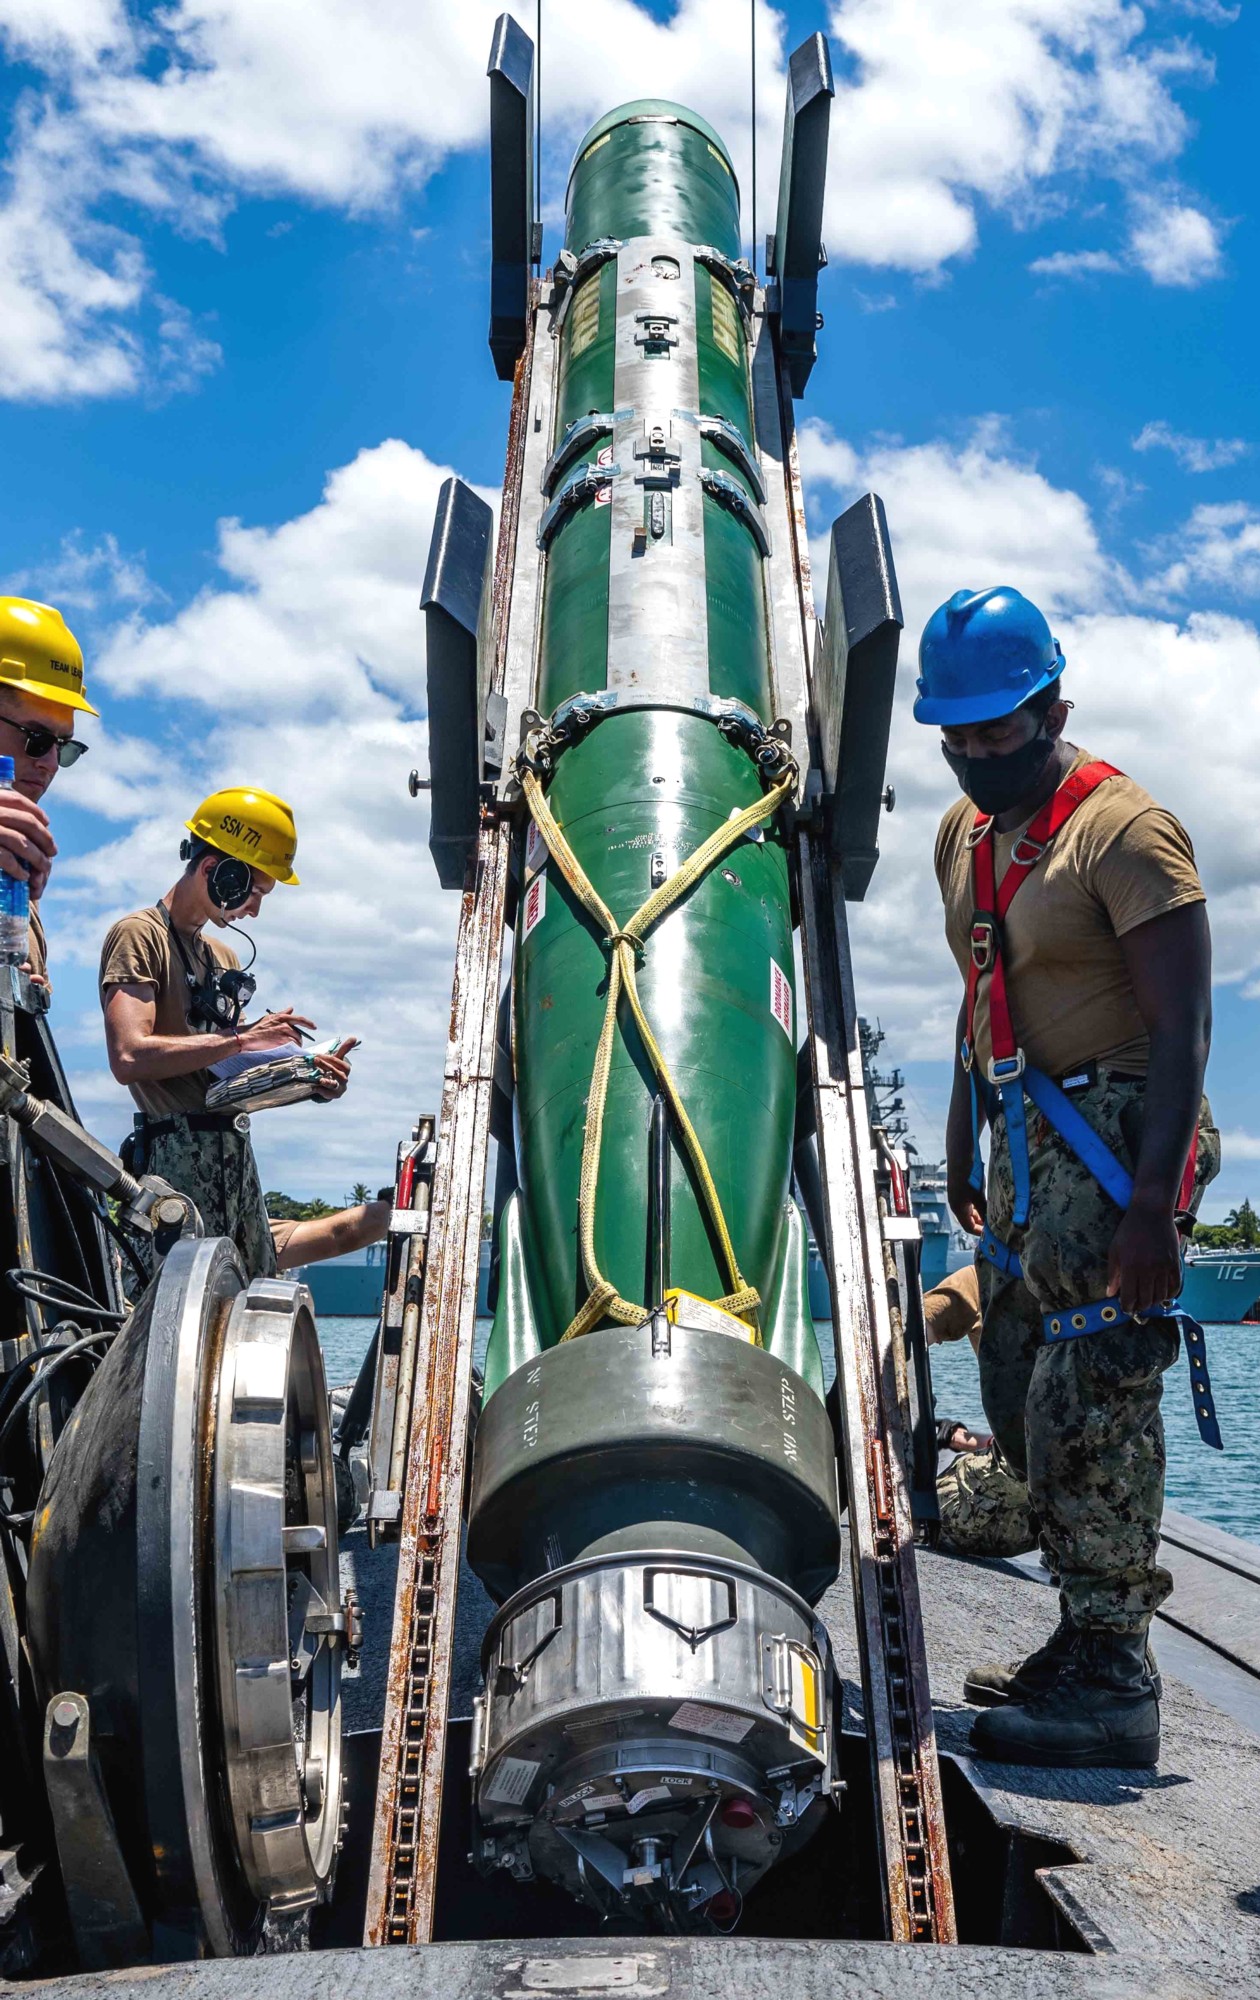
(993, 1685)
(1101, 1711)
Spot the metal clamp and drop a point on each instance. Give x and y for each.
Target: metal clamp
(542, 742)
(571, 268)
(729, 493)
(583, 483)
(729, 438)
(737, 271)
(577, 438)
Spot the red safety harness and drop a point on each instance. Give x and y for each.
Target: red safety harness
(1013, 1078)
(992, 902)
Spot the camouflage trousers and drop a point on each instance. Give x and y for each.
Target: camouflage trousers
(1079, 1419)
(216, 1170)
(985, 1510)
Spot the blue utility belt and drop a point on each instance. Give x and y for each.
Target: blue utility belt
(1012, 1079)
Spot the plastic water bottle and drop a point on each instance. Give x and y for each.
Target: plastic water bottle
(15, 899)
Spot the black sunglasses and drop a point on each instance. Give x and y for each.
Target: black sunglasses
(39, 741)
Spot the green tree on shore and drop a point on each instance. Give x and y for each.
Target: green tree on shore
(283, 1208)
(1239, 1231)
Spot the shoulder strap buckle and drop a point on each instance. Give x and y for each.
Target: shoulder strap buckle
(984, 939)
(1006, 1069)
(1026, 853)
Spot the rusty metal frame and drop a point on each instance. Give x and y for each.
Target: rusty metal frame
(910, 1817)
(403, 1872)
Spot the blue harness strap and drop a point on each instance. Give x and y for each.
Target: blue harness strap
(1098, 1159)
(1071, 1323)
(1001, 1254)
(1092, 1152)
(1010, 1077)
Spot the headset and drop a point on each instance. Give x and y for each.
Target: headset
(229, 881)
(219, 997)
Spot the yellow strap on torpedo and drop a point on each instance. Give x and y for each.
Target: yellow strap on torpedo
(623, 943)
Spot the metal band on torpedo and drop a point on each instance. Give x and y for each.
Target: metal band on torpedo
(658, 619)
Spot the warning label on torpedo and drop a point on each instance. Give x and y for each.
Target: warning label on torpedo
(781, 997)
(535, 903)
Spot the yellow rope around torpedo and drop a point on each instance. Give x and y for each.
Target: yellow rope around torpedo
(623, 944)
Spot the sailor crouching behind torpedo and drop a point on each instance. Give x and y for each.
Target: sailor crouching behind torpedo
(1075, 912)
(173, 1000)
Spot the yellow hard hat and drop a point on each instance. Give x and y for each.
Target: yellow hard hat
(255, 827)
(39, 654)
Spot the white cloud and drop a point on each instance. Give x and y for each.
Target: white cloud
(1239, 1146)
(86, 578)
(1193, 454)
(975, 514)
(1076, 264)
(303, 670)
(940, 113)
(57, 28)
(1217, 549)
(1171, 242)
(950, 109)
(69, 284)
(1176, 244)
(322, 610)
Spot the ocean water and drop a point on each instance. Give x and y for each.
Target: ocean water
(345, 1342)
(1222, 1487)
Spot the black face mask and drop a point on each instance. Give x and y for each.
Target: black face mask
(995, 784)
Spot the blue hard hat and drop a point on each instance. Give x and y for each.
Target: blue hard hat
(982, 654)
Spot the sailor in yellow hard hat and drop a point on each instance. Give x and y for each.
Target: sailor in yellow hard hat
(174, 1001)
(41, 687)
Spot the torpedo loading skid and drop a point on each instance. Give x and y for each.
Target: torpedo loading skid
(654, 1484)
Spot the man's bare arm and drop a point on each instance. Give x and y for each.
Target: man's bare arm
(332, 1235)
(137, 1054)
(1169, 962)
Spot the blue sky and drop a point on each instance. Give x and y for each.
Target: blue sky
(243, 295)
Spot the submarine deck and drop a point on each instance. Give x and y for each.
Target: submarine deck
(1151, 1880)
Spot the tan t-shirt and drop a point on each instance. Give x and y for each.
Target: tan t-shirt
(1119, 861)
(140, 951)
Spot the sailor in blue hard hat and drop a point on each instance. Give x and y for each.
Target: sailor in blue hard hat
(1076, 916)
